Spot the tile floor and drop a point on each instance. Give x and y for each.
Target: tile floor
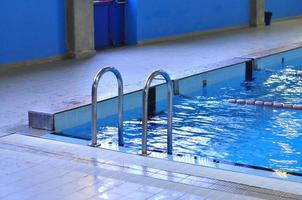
(36, 168)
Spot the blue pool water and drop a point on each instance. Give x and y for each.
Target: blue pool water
(206, 125)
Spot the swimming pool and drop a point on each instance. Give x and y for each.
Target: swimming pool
(205, 124)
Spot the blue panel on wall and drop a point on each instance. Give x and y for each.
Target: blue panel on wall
(158, 18)
(131, 22)
(117, 23)
(284, 8)
(101, 24)
(31, 29)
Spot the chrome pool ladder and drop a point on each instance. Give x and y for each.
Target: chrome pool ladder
(94, 104)
(148, 82)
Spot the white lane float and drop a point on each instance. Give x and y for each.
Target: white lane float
(232, 100)
(288, 105)
(240, 101)
(259, 103)
(267, 103)
(250, 102)
(299, 73)
(297, 107)
(278, 105)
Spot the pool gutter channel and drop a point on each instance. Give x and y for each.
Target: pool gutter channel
(207, 162)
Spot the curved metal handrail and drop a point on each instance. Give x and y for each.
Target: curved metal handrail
(94, 104)
(166, 76)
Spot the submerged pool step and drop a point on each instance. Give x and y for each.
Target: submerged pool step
(266, 104)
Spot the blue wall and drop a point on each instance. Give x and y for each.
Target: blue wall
(131, 22)
(164, 18)
(31, 29)
(284, 8)
(34, 29)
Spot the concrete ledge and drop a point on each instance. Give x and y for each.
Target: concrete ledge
(40, 120)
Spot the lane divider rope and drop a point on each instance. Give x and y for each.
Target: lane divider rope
(266, 104)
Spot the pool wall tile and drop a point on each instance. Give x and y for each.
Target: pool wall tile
(74, 117)
(196, 83)
(133, 101)
(289, 57)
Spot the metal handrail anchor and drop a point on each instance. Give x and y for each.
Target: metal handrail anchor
(148, 82)
(94, 104)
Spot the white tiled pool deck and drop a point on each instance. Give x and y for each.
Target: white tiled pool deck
(37, 168)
